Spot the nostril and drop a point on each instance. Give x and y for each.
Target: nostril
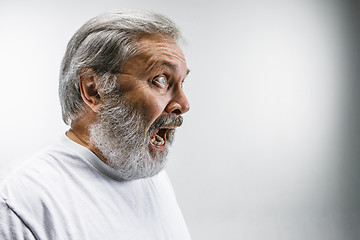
(176, 111)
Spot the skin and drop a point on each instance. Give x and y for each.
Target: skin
(152, 81)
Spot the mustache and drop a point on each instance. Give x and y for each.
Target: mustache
(167, 121)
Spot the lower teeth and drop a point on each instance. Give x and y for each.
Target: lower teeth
(157, 140)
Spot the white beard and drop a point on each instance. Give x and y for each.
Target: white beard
(121, 137)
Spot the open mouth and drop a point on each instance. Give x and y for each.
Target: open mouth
(158, 140)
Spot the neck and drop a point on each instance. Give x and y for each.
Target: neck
(80, 134)
(78, 138)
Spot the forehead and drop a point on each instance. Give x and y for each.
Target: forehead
(159, 46)
(156, 52)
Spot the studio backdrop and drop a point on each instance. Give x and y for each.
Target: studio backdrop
(270, 147)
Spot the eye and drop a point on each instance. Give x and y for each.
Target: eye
(160, 81)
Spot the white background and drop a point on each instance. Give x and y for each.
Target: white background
(260, 153)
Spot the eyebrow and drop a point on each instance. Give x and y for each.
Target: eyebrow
(167, 64)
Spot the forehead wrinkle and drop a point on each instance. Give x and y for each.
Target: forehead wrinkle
(164, 58)
(160, 55)
(171, 50)
(160, 64)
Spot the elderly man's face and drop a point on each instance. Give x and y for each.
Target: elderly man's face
(152, 82)
(136, 124)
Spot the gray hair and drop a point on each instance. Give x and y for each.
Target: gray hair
(104, 44)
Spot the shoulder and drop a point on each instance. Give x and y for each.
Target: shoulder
(24, 190)
(39, 175)
(30, 174)
(37, 189)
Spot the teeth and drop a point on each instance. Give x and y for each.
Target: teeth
(157, 140)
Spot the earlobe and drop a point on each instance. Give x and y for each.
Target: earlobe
(88, 83)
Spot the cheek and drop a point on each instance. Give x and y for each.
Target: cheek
(153, 108)
(150, 103)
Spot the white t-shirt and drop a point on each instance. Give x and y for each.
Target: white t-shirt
(67, 192)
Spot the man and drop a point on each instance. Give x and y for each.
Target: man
(121, 93)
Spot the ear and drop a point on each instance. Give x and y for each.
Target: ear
(88, 83)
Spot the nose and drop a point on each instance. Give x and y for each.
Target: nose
(179, 103)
